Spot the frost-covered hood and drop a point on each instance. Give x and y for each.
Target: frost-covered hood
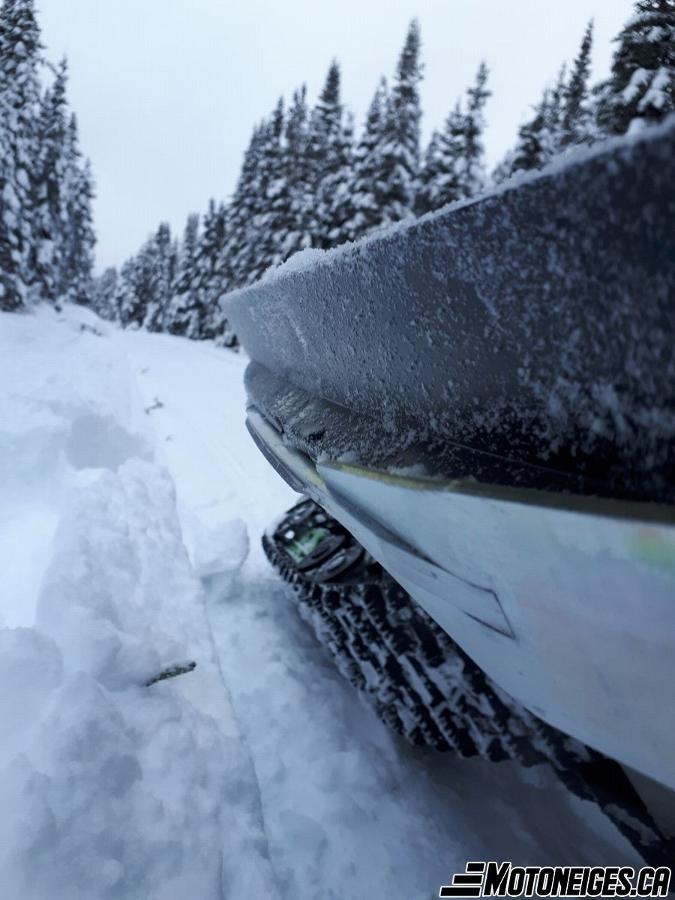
(535, 325)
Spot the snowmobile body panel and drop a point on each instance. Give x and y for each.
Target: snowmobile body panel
(574, 615)
(517, 354)
(570, 610)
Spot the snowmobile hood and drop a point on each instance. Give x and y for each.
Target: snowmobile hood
(523, 339)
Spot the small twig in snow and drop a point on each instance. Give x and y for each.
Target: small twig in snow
(91, 330)
(172, 672)
(157, 404)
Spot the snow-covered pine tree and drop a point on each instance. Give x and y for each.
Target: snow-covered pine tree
(295, 233)
(49, 180)
(325, 156)
(554, 114)
(335, 197)
(441, 174)
(539, 139)
(430, 169)
(473, 176)
(332, 148)
(531, 147)
(238, 256)
(400, 146)
(19, 110)
(78, 237)
(576, 119)
(272, 198)
(454, 165)
(143, 282)
(211, 283)
(183, 316)
(128, 301)
(367, 183)
(157, 271)
(103, 292)
(641, 87)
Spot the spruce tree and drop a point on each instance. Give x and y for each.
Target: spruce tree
(184, 313)
(330, 149)
(326, 154)
(103, 292)
(295, 231)
(576, 119)
(442, 171)
(532, 146)
(46, 229)
(271, 198)
(238, 255)
(367, 183)
(49, 180)
(539, 139)
(335, 200)
(143, 282)
(129, 300)
(401, 133)
(641, 87)
(211, 284)
(78, 237)
(157, 267)
(473, 175)
(19, 113)
(454, 166)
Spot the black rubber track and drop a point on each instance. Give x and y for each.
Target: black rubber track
(423, 685)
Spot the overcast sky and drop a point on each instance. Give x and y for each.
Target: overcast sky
(167, 91)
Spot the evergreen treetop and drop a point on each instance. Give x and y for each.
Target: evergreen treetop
(401, 132)
(19, 112)
(575, 124)
(454, 167)
(366, 185)
(641, 87)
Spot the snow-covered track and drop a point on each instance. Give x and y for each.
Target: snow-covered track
(424, 687)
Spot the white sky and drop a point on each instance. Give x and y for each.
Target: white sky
(167, 91)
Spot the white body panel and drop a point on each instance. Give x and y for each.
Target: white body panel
(589, 602)
(571, 611)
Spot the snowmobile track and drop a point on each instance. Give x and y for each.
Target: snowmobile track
(423, 685)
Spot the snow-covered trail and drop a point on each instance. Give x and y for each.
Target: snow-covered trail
(260, 773)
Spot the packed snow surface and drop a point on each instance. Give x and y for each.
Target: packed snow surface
(132, 503)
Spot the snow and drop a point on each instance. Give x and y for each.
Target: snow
(132, 505)
(298, 262)
(656, 96)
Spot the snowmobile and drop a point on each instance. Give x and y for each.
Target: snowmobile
(479, 408)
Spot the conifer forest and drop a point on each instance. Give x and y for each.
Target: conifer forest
(310, 176)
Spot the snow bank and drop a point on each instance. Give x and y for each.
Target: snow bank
(67, 408)
(219, 549)
(118, 789)
(108, 788)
